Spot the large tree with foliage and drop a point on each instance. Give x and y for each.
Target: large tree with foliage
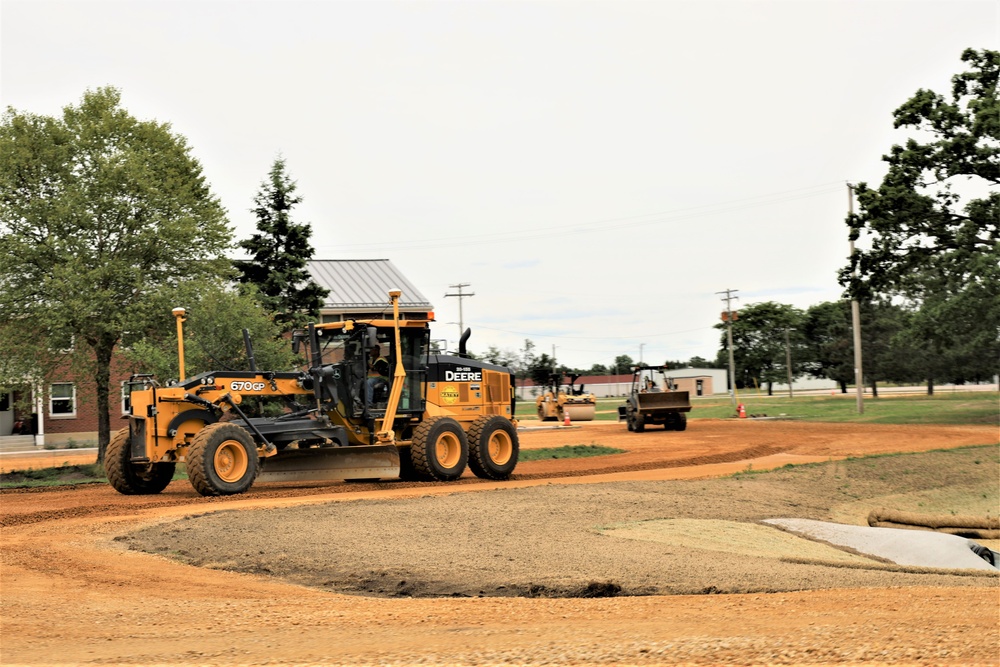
(279, 252)
(102, 217)
(829, 342)
(759, 350)
(930, 232)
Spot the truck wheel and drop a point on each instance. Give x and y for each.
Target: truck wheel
(439, 449)
(630, 423)
(682, 422)
(493, 447)
(639, 425)
(129, 478)
(222, 460)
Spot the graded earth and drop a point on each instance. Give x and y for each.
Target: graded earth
(644, 557)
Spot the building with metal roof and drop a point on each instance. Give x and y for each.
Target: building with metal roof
(359, 288)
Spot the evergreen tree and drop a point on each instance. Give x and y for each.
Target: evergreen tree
(279, 252)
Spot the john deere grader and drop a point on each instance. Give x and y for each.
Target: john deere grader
(373, 403)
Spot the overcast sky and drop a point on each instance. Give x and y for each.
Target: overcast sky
(595, 171)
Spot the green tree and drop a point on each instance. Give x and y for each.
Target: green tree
(759, 336)
(541, 369)
(933, 224)
(213, 336)
(624, 363)
(504, 357)
(830, 342)
(102, 217)
(525, 359)
(279, 252)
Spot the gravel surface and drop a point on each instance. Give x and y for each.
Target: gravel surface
(74, 593)
(561, 540)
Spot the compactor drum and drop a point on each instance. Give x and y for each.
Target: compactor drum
(372, 403)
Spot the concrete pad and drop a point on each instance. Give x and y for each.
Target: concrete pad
(918, 548)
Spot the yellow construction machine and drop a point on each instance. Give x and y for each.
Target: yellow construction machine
(557, 402)
(649, 404)
(428, 418)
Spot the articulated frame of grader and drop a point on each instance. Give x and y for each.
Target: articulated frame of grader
(433, 417)
(555, 403)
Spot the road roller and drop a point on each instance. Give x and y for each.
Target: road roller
(560, 400)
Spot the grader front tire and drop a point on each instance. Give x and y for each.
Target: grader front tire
(439, 449)
(131, 479)
(493, 447)
(222, 460)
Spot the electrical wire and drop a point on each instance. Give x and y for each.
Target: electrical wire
(627, 222)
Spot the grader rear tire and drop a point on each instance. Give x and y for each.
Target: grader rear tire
(493, 447)
(439, 449)
(129, 478)
(222, 460)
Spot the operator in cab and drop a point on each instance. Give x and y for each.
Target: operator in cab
(378, 372)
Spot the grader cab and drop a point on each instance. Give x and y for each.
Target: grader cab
(341, 418)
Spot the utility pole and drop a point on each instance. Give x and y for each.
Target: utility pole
(788, 363)
(856, 319)
(641, 345)
(460, 295)
(727, 317)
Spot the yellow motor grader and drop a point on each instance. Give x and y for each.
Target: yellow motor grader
(428, 420)
(556, 403)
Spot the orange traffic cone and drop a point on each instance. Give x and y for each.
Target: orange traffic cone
(743, 411)
(566, 421)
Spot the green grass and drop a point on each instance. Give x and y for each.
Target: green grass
(566, 452)
(974, 407)
(952, 408)
(90, 473)
(64, 475)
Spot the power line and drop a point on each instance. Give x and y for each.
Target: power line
(676, 215)
(630, 337)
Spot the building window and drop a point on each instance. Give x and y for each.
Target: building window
(126, 398)
(62, 400)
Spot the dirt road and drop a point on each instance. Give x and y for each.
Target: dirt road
(73, 592)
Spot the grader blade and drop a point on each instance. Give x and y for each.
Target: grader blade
(331, 463)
